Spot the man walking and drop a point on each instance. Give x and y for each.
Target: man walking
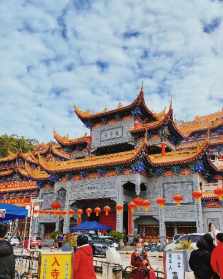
(7, 260)
(217, 256)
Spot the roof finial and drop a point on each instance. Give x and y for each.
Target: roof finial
(171, 101)
(142, 86)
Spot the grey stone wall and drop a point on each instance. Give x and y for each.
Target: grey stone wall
(110, 134)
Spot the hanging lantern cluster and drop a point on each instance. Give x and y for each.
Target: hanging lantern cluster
(139, 203)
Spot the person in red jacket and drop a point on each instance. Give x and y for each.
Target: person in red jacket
(83, 267)
(217, 256)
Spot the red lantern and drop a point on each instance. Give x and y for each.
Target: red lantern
(138, 201)
(79, 212)
(88, 211)
(119, 208)
(161, 202)
(146, 205)
(97, 211)
(197, 195)
(131, 206)
(55, 205)
(178, 199)
(107, 210)
(71, 212)
(219, 192)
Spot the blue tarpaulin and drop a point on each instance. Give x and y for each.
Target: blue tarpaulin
(90, 226)
(13, 212)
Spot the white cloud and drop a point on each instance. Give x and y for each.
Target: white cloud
(96, 53)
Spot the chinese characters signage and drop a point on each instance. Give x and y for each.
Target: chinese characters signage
(175, 265)
(56, 266)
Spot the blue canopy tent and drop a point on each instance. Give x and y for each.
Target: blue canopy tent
(13, 212)
(90, 226)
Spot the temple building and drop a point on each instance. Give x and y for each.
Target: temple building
(130, 152)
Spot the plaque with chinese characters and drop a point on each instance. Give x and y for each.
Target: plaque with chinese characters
(112, 133)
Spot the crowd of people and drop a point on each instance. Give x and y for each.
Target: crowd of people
(207, 261)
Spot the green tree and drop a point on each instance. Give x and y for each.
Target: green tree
(15, 144)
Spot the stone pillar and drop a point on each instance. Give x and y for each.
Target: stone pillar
(199, 219)
(119, 200)
(162, 226)
(199, 212)
(119, 219)
(66, 224)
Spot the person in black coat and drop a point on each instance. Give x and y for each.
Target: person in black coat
(200, 261)
(210, 247)
(7, 260)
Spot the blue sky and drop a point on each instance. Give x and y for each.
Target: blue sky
(95, 54)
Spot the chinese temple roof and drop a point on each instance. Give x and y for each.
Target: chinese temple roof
(163, 118)
(138, 102)
(34, 173)
(202, 123)
(17, 186)
(213, 140)
(92, 161)
(51, 148)
(177, 157)
(10, 157)
(66, 141)
(6, 172)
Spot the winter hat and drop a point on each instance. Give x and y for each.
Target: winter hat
(82, 240)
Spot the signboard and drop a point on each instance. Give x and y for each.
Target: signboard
(56, 265)
(2, 213)
(175, 265)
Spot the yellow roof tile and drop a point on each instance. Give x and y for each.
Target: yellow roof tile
(176, 157)
(91, 162)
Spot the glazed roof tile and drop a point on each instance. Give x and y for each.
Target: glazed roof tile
(66, 141)
(213, 140)
(51, 148)
(202, 123)
(35, 173)
(92, 161)
(163, 118)
(177, 157)
(139, 101)
(155, 124)
(6, 172)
